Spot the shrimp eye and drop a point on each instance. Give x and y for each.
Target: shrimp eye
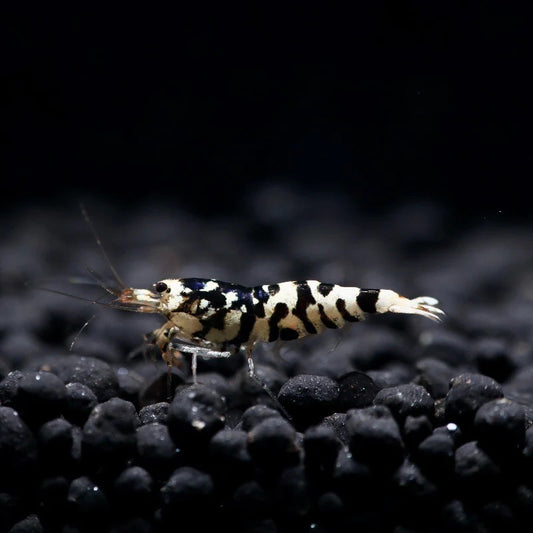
(161, 286)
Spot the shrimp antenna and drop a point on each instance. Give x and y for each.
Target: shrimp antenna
(98, 280)
(101, 246)
(77, 336)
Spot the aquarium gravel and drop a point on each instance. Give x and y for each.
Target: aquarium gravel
(394, 424)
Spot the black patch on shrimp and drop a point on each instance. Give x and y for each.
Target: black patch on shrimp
(325, 318)
(216, 299)
(304, 300)
(367, 299)
(195, 284)
(262, 296)
(325, 288)
(259, 309)
(273, 289)
(288, 334)
(216, 320)
(341, 306)
(247, 325)
(280, 311)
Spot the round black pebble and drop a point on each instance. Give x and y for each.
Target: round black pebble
(309, 398)
(251, 501)
(87, 502)
(434, 375)
(155, 449)
(405, 400)
(416, 429)
(55, 442)
(412, 488)
(321, 447)
(40, 396)
(156, 412)
(391, 375)
(30, 524)
(330, 506)
(109, 433)
(133, 488)
(9, 388)
(94, 373)
(228, 453)
(477, 473)
(130, 384)
(79, 403)
(291, 493)
(500, 425)
(352, 478)
(217, 383)
(195, 415)
(337, 421)
(188, 492)
(454, 516)
(272, 444)
(436, 455)
(375, 437)
(18, 449)
(356, 390)
(467, 394)
(493, 358)
(256, 414)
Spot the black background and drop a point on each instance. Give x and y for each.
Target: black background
(200, 106)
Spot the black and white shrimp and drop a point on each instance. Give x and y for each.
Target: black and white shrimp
(210, 318)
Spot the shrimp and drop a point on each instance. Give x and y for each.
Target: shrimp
(211, 318)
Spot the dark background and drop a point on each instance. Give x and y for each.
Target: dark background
(390, 102)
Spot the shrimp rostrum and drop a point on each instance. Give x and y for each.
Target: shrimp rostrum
(210, 318)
